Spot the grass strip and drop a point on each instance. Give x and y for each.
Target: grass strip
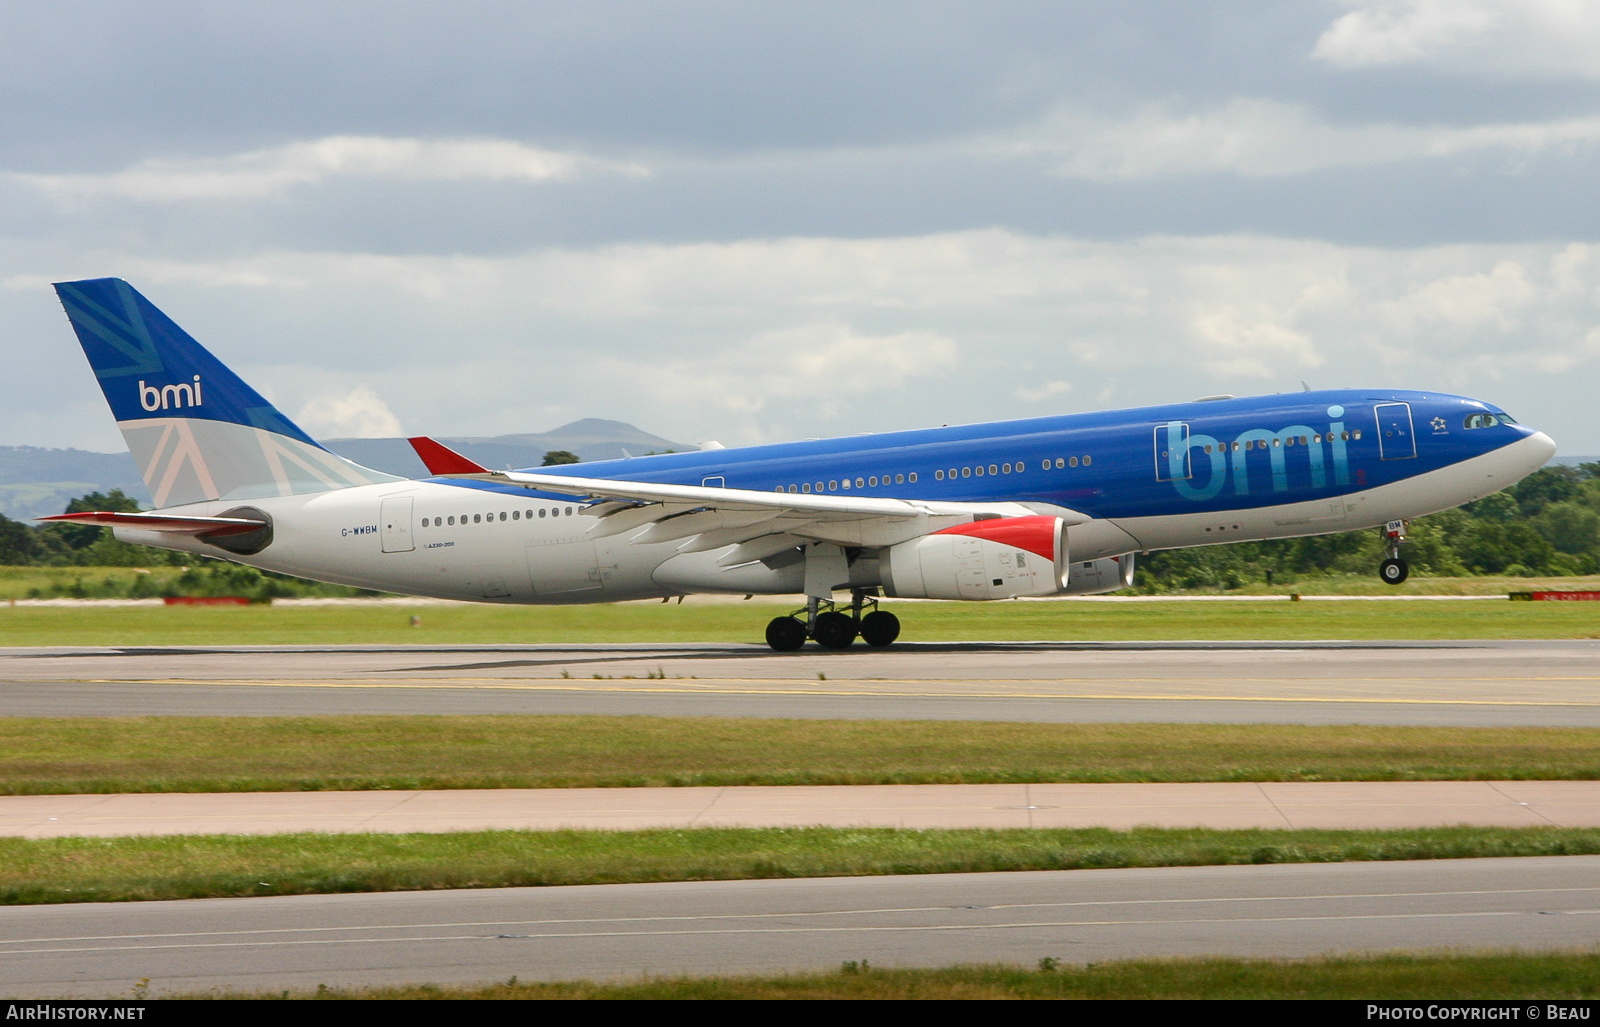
(744, 622)
(1427, 976)
(72, 755)
(205, 866)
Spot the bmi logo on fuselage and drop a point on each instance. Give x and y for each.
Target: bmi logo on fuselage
(170, 396)
(1177, 449)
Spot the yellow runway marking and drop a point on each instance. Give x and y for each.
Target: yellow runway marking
(494, 684)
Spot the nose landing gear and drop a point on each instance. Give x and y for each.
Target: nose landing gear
(833, 628)
(1394, 570)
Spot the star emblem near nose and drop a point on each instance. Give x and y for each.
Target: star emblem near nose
(1438, 425)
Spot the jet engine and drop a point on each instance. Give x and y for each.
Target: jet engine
(1089, 577)
(998, 558)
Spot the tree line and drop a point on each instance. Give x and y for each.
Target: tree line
(1548, 524)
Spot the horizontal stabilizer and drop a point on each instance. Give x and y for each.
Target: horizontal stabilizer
(441, 459)
(214, 527)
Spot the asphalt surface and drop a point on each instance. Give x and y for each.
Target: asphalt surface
(626, 931)
(1472, 683)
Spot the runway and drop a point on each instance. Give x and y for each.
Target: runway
(1352, 805)
(1472, 683)
(625, 931)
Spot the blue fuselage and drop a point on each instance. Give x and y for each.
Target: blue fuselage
(1199, 457)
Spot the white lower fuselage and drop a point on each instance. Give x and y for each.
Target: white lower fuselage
(507, 548)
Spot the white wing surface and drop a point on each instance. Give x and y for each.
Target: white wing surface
(759, 524)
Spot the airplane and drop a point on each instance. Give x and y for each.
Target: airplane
(1045, 506)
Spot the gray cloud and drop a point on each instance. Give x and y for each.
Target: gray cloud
(755, 222)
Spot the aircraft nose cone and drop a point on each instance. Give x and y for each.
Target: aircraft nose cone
(1540, 447)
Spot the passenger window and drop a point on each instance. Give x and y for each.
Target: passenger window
(477, 518)
(993, 469)
(541, 513)
(844, 483)
(938, 476)
(805, 487)
(873, 481)
(833, 486)
(819, 486)
(780, 488)
(1356, 435)
(912, 477)
(978, 470)
(452, 520)
(1073, 461)
(1005, 468)
(899, 479)
(791, 488)
(1045, 466)
(1019, 466)
(1087, 460)
(516, 515)
(966, 472)
(1060, 463)
(502, 515)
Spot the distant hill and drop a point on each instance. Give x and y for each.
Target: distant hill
(35, 481)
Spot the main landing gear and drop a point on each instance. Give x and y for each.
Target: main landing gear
(833, 628)
(1394, 570)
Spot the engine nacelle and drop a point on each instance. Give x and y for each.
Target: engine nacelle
(1089, 577)
(999, 558)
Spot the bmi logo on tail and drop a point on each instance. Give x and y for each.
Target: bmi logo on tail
(169, 396)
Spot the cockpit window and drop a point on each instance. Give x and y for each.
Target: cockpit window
(1505, 418)
(1484, 421)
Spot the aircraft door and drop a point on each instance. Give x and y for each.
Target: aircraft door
(1172, 452)
(1395, 438)
(395, 523)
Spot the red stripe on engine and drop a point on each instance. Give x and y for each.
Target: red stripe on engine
(1035, 534)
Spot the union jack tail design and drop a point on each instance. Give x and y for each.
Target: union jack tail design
(196, 430)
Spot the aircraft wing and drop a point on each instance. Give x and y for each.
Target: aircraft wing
(210, 526)
(758, 523)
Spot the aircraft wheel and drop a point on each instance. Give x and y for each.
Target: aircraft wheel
(879, 628)
(835, 631)
(1394, 571)
(785, 634)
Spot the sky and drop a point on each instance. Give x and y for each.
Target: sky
(754, 222)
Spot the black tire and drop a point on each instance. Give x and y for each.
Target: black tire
(785, 634)
(835, 631)
(879, 628)
(1394, 571)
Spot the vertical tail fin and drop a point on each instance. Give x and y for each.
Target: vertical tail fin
(196, 430)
